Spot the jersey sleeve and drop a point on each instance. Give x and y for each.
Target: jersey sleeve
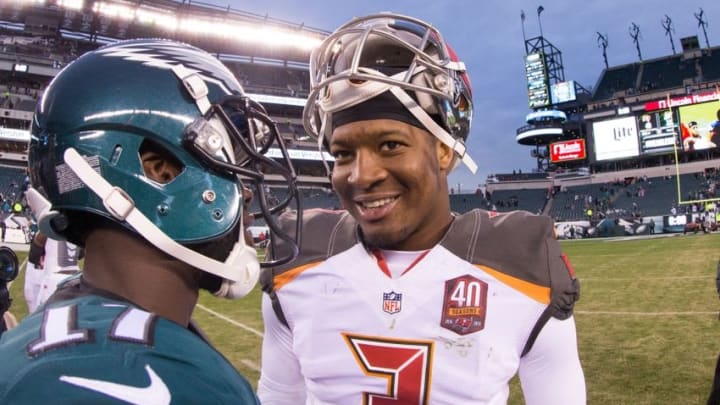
(281, 380)
(551, 372)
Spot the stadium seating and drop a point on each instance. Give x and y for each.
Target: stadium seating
(461, 203)
(710, 65)
(666, 72)
(532, 200)
(616, 79)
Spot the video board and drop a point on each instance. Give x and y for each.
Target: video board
(658, 131)
(563, 92)
(537, 80)
(696, 126)
(564, 151)
(615, 138)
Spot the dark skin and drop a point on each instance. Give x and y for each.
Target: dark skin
(392, 178)
(138, 271)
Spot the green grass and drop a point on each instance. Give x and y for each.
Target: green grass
(647, 320)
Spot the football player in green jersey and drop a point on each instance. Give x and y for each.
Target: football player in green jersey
(142, 152)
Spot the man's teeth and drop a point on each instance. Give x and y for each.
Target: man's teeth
(377, 203)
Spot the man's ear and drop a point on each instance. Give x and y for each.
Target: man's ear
(445, 156)
(159, 164)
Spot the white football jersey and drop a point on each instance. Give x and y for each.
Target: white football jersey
(449, 330)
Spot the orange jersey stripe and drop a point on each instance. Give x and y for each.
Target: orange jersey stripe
(281, 279)
(537, 292)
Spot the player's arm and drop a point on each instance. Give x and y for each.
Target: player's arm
(281, 381)
(550, 373)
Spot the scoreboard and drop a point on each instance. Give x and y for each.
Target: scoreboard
(537, 80)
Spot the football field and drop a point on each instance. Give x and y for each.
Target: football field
(647, 319)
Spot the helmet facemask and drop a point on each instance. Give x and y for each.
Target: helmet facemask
(391, 53)
(243, 124)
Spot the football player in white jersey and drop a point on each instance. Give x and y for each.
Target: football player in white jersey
(141, 152)
(61, 261)
(34, 273)
(396, 300)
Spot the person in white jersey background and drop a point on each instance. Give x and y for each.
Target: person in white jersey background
(61, 261)
(34, 273)
(396, 300)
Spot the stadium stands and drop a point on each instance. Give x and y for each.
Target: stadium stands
(532, 200)
(615, 79)
(710, 65)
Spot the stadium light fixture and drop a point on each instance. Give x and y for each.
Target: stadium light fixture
(114, 10)
(241, 31)
(71, 4)
(165, 21)
(249, 33)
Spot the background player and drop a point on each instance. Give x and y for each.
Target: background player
(396, 300)
(34, 271)
(61, 260)
(138, 148)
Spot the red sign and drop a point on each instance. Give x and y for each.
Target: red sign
(464, 305)
(680, 101)
(567, 150)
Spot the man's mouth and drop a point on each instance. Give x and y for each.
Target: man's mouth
(376, 203)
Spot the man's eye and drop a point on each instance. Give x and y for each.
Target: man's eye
(339, 154)
(390, 145)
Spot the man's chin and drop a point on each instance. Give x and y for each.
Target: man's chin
(381, 238)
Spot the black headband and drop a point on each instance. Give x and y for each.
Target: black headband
(385, 105)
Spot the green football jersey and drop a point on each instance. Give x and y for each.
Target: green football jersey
(92, 349)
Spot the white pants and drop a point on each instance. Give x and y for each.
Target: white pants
(33, 281)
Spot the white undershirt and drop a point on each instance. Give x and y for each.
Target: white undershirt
(398, 260)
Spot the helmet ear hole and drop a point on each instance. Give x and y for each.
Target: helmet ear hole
(158, 163)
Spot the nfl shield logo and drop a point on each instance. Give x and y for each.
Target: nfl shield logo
(392, 302)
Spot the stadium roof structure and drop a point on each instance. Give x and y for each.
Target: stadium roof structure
(213, 28)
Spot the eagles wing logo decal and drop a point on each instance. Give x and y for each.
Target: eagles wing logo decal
(168, 55)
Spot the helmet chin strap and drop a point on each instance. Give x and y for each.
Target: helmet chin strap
(239, 272)
(457, 145)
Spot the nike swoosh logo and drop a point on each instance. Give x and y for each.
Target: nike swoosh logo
(155, 393)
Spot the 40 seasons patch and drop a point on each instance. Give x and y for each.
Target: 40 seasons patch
(392, 302)
(464, 305)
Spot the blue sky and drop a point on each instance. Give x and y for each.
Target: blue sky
(487, 36)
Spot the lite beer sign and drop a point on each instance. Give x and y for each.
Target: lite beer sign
(567, 150)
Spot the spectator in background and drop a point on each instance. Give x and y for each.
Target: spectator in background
(3, 225)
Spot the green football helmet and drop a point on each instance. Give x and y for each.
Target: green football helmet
(103, 109)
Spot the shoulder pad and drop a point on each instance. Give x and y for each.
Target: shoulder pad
(521, 245)
(325, 233)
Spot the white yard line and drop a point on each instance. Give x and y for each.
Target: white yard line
(708, 277)
(631, 313)
(250, 364)
(229, 320)
(21, 268)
